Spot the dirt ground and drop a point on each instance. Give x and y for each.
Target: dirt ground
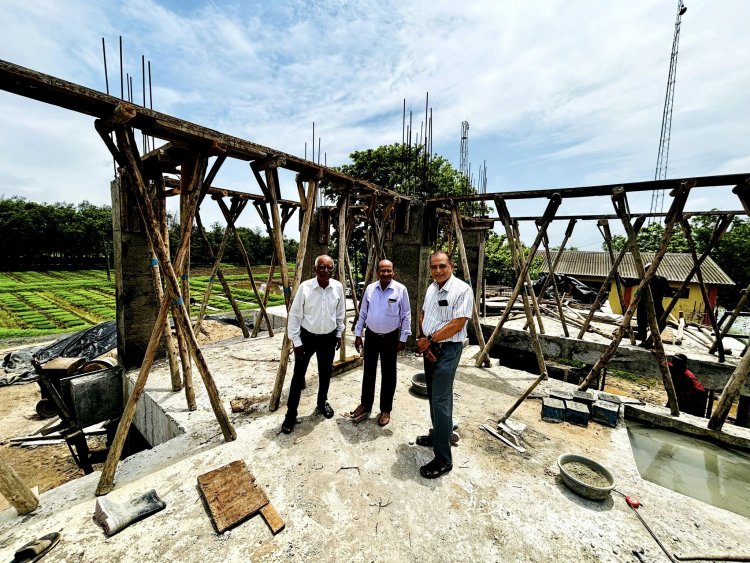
(49, 466)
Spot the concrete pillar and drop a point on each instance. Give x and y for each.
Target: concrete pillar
(134, 292)
(410, 258)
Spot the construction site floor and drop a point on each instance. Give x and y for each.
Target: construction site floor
(353, 492)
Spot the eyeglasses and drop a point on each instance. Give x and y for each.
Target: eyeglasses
(321, 267)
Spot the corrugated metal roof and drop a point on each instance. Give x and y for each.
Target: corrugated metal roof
(675, 267)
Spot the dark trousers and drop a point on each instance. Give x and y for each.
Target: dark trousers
(642, 318)
(324, 347)
(439, 379)
(381, 346)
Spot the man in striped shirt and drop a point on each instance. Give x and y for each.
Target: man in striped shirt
(447, 307)
(385, 320)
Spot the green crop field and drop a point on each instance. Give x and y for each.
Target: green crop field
(36, 303)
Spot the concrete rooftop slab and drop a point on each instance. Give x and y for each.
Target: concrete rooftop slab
(354, 493)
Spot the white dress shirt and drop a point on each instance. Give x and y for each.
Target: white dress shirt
(443, 304)
(318, 310)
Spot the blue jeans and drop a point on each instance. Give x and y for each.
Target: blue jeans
(439, 378)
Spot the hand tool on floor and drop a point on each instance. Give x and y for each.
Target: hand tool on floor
(503, 439)
(634, 503)
(725, 557)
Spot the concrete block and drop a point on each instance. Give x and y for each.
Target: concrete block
(605, 412)
(562, 395)
(585, 397)
(553, 410)
(577, 413)
(602, 396)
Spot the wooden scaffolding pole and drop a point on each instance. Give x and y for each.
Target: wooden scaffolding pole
(558, 256)
(722, 223)
(549, 214)
(735, 313)
(127, 156)
(467, 279)
(620, 203)
(307, 206)
(730, 393)
(545, 242)
(604, 289)
(272, 192)
(529, 286)
(343, 205)
(15, 492)
(217, 273)
(603, 226)
(687, 230)
(230, 219)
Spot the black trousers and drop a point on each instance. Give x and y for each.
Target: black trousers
(381, 346)
(642, 318)
(323, 346)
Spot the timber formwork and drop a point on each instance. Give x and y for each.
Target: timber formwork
(195, 154)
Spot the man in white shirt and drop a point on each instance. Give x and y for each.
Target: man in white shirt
(315, 325)
(385, 318)
(447, 307)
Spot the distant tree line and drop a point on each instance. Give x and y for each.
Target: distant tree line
(67, 236)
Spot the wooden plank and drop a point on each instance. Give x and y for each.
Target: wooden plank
(231, 494)
(272, 518)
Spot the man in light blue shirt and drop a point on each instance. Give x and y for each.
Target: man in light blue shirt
(385, 320)
(447, 307)
(315, 325)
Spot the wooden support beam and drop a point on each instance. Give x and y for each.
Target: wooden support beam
(545, 242)
(730, 393)
(286, 344)
(106, 481)
(722, 223)
(558, 256)
(343, 242)
(529, 286)
(735, 313)
(742, 190)
(619, 200)
(603, 226)
(604, 290)
(216, 271)
(687, 230)
(230, 219)
(552, 206)
(15, 491)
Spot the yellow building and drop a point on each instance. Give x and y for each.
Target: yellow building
(592, 268)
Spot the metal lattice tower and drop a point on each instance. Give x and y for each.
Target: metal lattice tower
(657, 197)
(464, 167)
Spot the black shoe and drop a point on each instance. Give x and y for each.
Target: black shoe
(326, 410)
(435, 469)
(288, 425)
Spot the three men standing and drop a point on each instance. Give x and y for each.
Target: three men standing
(447, 307)
(385, 321)
(315, 325)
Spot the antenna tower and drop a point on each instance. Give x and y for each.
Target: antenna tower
(657, 197)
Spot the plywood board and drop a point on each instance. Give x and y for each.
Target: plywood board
(231, 494)
(272, 518)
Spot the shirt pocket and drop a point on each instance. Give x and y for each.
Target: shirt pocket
(391, 307)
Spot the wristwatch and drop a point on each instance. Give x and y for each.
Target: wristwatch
(429, 337)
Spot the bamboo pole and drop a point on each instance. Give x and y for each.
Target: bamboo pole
(722, 223)
(216, 271)
(619, 201)
(15, 491)
(604, 290)
(106, 481)
(308, 209)
(686, 229)
(603, 226)
(730, 393)
(467, 278)
(245, 258)
(552, 206)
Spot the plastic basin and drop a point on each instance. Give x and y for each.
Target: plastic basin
(419, 384)
(578, 485)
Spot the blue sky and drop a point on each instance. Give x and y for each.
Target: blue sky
(557, 93)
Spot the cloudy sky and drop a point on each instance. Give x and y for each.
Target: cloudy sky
(557, 93)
